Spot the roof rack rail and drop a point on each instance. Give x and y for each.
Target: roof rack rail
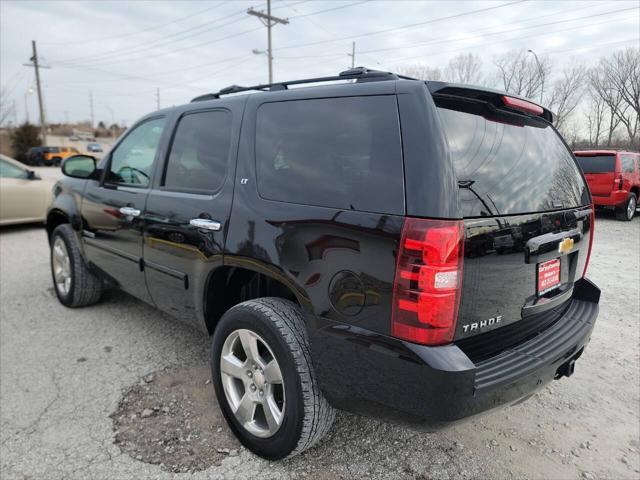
(359, 74)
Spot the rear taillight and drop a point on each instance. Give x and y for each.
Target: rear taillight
(428, 281)
(618, 181)
(591, 234)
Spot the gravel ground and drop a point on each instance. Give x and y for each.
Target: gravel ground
(119, 390)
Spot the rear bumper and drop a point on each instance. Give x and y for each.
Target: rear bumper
(614, 199)
(431, 387)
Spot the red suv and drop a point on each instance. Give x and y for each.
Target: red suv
(614, 179)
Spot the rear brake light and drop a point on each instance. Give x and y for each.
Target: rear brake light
(591, 234)
(428, 280)
(619, 181)
(522, 105)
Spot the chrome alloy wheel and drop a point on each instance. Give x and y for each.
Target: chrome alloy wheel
(61, 266)
(631, 208)
(252, 383)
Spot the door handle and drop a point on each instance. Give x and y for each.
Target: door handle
(130, 211)
(205, 224)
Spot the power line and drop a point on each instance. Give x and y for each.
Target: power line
(437, 41)
(137, 32)
(168, 39)
(536, 35)
(326, 30)
(329, 9)
(189, 47)
(155, 75)
(402, 27)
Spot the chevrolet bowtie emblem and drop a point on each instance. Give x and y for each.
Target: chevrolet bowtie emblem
(565, 245)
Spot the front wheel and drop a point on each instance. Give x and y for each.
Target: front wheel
(627, 211)
(264, 380)
(75, 284)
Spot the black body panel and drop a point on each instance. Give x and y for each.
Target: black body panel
(431, 387)
(326, 253)
(339, 264)
(501, 257)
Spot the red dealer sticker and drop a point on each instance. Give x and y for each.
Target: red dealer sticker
(548, 275)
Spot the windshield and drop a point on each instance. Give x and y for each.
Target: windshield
(504, 168)
(597, 163)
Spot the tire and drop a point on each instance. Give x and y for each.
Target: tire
(627, 212)
(83, 286)
(306, 416)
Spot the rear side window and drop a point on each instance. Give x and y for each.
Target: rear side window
(505, 169)
(336, 152)
(200, 152)
(597, 163)
(627, 163)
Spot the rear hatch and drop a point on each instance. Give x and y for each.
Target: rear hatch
(527, 217)
(599, 170)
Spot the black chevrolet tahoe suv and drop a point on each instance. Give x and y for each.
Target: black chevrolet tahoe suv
(405, 249)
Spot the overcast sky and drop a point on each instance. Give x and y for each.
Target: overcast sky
(123, 51)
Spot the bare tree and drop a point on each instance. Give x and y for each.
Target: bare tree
(421, 72)
(518, 73)
(619, 112)
(566, 93)
(464, 68)
(596, 117)
(620, 73)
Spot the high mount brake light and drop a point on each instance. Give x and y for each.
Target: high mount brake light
(591, 234)
(428, 280)
(522, 105)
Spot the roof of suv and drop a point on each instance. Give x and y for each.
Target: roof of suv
(363, 75)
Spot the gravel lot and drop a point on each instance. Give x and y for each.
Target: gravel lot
(71, 381)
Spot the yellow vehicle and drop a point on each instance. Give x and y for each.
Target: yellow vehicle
(55, 155)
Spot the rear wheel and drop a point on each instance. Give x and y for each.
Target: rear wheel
(75, 284)
(264, 380)
(627, 211)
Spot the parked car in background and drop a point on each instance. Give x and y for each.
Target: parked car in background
(24, 196)
(422, 274)
(35, 156)
(94, 148)
(55, 155)
(614, 179)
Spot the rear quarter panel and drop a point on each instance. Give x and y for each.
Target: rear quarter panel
(339, 263)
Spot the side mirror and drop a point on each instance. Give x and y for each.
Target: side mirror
(79, 166)
(31, 175)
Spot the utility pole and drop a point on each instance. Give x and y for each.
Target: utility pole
(36, 65)
(157, 99)
(268, 21)
(91, 109)
(26, 108)
(15, 114)
(353, 54)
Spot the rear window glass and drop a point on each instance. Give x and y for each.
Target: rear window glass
(507, 169)
(336, 152)
(597, 164)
